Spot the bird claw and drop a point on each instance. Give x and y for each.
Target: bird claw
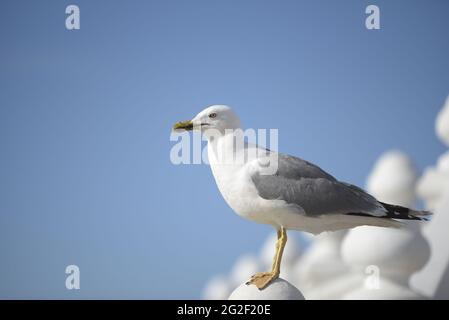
(262, 279)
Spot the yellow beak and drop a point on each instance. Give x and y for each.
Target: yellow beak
(183, 125)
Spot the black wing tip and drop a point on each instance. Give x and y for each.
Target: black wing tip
(404, 213)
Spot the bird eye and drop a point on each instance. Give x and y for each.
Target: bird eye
(212, 115)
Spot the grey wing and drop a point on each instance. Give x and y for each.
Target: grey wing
(301, 183)
(296, 168)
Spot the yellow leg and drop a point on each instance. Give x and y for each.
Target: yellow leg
(262, 279)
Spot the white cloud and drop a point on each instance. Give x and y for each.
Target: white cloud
(442, 123)
(393, 179)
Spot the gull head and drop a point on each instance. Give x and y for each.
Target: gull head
(217, 118)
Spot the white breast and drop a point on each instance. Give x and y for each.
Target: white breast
(236, 186)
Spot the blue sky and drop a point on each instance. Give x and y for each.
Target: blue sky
(85, 118)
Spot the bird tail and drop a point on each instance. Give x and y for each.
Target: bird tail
(403, 213)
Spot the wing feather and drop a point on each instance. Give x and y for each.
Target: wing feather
(306, 185)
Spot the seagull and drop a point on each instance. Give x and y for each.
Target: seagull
(296, 195)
